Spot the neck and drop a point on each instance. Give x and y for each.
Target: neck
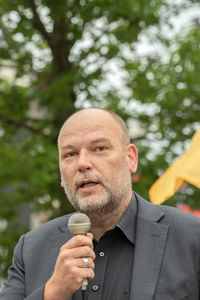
(102, 222)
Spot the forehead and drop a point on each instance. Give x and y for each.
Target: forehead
(89, 123)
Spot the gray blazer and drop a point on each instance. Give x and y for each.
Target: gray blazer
(166, 261)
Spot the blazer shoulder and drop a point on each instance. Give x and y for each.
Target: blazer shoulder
(182, 223)
(49, 229)
(157, 212)
(176, 219)
(179, 216)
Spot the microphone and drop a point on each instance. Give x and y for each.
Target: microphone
(79, 224)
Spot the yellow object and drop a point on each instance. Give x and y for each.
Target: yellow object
(186, 168)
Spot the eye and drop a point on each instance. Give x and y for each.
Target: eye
(70, 154)
(100, 148)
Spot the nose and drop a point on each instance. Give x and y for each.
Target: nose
(84, 162)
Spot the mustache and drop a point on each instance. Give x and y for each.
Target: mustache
(81, 177)
(95, 178)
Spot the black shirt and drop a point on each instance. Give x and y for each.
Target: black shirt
(114, 260)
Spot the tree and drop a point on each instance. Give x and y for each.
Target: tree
(61, 56)
(170, 92)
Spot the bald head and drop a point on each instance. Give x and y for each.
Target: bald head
(101, 114)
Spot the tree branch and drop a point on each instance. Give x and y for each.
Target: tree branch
(57, 41)
(23, 124)
(37, 23)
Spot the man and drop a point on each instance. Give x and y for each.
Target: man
(135, 250)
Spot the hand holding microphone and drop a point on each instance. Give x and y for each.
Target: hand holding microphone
(74, 263)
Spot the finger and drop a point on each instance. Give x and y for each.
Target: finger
(79, 252)
(89, 265)
(90, 235)
(78, 241)
(75, 263)
(86, 273)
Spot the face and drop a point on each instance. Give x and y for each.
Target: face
(95, 166)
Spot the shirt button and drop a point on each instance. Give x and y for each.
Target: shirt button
(95, 287)
(101, 254)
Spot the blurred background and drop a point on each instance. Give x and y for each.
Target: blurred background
(140, 59)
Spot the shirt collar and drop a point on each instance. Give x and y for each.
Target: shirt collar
(127, 222)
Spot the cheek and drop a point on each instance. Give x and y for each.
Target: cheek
(112, 170)
(66, 172)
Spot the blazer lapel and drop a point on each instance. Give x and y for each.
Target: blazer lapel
(149, 249)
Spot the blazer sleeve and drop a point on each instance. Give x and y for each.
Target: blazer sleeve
(15, 286)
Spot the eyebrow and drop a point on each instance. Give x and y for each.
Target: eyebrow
(96, 141)
(67, 147)
(101, 140)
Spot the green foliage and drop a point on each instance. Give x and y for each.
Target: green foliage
(58, 56)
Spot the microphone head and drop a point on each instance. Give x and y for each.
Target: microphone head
(79, 224)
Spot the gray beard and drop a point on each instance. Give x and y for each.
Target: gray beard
(108, 201)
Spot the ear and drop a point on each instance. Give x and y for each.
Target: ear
(132, 156)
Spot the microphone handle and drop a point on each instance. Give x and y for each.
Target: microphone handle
(84, 284)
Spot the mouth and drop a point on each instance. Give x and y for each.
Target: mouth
(87, 184)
